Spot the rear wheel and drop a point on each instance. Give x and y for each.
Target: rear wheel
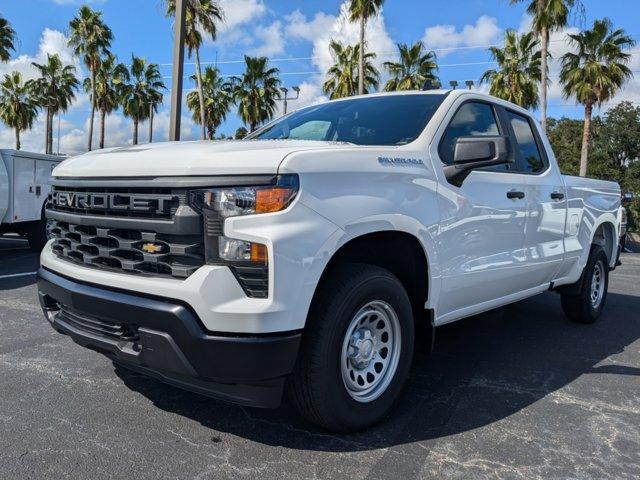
(356, 350)
(587, 306)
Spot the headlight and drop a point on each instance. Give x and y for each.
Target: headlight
(235, 201)
(217, 204)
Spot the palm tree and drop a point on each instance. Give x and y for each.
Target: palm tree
(18, 105)
(141, 92)
(218, 98)
(7, 38)
(415, 67)
(90, 39)
(110, 77)
(548, 16)
(519, 63)
(343, 77)
(55, 90)
(595, 72)
(154, 97)
(362, 11)
(256, 91)
(201, 17)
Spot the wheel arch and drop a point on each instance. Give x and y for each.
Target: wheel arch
(403, 254)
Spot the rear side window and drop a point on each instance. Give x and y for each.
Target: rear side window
(472, 119)
(529, 154)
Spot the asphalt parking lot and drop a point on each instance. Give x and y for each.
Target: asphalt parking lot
(518, 393)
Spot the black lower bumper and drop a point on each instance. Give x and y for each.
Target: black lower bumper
(165, 339)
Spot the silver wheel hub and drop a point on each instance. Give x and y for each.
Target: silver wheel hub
(597, 285)
(370, 351)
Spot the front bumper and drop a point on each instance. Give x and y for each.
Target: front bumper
(166, 339)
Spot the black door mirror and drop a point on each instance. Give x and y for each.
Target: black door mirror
(627, 198)
(477, 152)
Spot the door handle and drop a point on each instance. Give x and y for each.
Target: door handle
(513, 194)
(557, 196)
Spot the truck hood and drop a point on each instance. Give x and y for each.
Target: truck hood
(187, 158)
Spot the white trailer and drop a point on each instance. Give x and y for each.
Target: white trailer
(24, 188)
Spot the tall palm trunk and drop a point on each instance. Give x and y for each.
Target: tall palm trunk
(93, 106)
(50, 132)
(363, 22)
(17, 138)
(103, 115)
(586, 134)
(544, 46)
(203, 117)
(46, 133)
(135, 131)
(151, 123)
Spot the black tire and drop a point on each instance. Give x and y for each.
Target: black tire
(37, 234)
(579, 307)
(316, 387)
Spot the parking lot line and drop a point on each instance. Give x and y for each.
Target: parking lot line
(13, 275)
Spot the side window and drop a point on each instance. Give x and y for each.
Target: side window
(313, 130)
(529, 154)
(471, 119)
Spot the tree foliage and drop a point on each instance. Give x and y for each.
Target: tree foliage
(7, 40)
(415, 66)
(344, 76)
(517, 76)
(218, 99)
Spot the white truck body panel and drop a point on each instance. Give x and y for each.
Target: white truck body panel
(24, 184)
(483, 249)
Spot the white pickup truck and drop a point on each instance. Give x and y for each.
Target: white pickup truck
(316, 256)
(24, 188)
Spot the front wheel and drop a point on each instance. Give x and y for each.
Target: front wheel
(356, 350)
(587, 306)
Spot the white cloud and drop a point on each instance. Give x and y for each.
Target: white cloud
(442, 37)
(51, 42)
(237, 15)
(271, 38)
(299, 28)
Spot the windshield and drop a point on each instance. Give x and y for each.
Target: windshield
(388, 120)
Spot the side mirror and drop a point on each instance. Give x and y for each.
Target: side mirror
(472, 153)
(627, 198)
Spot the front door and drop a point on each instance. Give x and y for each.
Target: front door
(482, 229)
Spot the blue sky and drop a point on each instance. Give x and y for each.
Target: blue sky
(293, 33)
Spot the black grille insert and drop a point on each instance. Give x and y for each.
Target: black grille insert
(130, 251)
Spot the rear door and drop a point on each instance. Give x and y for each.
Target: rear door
(24, 190)
(546, 200)
(481, 235)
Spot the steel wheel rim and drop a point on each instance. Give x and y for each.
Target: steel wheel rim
(370, 351)
(597, 285)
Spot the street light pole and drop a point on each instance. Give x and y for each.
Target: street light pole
(178, 69)
(286, 99)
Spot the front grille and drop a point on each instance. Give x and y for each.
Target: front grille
(148, 231)
(124, 249)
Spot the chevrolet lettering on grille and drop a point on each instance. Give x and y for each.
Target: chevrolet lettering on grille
(113, 201)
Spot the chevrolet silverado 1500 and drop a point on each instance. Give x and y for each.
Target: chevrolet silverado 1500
(316, 256)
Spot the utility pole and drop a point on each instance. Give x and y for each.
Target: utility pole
(178, 70)
(286, 99)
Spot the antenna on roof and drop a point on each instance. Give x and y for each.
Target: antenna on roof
(430, 84)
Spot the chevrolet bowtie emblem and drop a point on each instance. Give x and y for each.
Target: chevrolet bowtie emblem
(152, 248)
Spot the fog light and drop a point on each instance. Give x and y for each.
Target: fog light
(234, 250)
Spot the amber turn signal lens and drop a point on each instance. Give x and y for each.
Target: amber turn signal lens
(273, 199)
(259, 253)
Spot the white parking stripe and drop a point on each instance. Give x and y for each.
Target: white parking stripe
(13, 275)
